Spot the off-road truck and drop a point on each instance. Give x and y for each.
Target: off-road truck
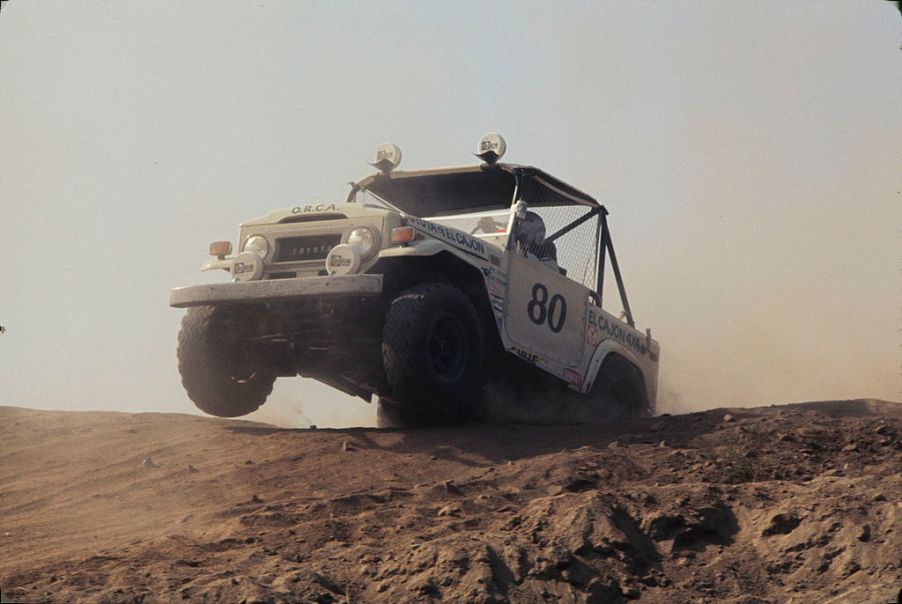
(419, 289)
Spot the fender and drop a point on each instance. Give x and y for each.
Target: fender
(449, 235)
(607, 347)
(493, 279)
(428, 247)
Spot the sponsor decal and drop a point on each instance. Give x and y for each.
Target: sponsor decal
(337, 260)
(458, 239)
(241, 268)
(488, 145)
(495, 283)
(530, 357)
(573, 378)
(319, 207)
(593, 338)
(308, 250)
(605, 328)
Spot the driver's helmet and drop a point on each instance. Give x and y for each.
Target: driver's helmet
(531, 230)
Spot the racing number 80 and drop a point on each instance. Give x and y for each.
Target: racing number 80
(540, 308)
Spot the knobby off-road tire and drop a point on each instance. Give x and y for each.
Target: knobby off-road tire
(218, 372)
(433, 354)
(618, 391)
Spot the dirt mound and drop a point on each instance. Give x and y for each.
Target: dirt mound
(794, 503)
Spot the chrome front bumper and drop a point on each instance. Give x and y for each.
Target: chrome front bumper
(275, 290)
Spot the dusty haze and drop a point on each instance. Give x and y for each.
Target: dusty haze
(748, 152)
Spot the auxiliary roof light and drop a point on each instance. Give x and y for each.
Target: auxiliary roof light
(388, 156)
(491, 147)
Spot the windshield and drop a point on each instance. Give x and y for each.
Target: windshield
(441, 192)
(368, 198)
(491, 224)
(479, 224)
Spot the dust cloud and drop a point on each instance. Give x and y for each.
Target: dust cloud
(756, 207)
(788, 295)
(300, 403)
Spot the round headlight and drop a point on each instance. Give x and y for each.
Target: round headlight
(364, 241)
(258, 245)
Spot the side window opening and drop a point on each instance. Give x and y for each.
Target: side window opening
(576, 251)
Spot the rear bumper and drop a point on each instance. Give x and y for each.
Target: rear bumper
(275, 290)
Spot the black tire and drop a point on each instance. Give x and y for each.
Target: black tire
(618, 391)
(433, 352)
(218, 372)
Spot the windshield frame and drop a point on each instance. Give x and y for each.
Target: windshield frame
(482, 187)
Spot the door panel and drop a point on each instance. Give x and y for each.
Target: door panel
(545, 312)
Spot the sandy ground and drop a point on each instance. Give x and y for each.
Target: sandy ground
(794, 503)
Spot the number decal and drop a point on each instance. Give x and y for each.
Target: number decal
(555, 312)
(538, 304)
(557, 301)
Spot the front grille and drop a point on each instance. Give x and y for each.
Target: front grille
(315, 247)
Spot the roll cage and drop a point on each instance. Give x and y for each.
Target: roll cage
(496, 187)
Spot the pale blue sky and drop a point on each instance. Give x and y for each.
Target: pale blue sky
(749, 153)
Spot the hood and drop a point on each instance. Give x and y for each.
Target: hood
(317, 211)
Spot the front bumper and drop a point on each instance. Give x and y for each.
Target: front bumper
(275, 290)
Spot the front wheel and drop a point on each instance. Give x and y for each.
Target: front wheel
(432, 351)
(218, 371)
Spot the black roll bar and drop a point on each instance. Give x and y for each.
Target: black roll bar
(606, 245)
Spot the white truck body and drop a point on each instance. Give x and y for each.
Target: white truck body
(547, 319)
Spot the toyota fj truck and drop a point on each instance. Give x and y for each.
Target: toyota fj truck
(419, 289)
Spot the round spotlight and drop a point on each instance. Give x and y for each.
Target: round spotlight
(343, 259)
(387, 158)
(491, 147)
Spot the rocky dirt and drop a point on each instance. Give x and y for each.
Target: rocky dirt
(793, 503)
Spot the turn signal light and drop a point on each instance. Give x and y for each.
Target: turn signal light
(220, 249)
(402, 234)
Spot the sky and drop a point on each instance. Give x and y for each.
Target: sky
(749, 154)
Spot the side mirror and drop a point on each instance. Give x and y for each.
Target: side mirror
(520, 210)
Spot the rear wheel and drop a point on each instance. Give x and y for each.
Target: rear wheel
(618, 390)
(219, 372)
(432, 352)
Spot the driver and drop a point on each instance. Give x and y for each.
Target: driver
(531, 237)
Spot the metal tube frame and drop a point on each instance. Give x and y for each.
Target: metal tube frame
(606, 246)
